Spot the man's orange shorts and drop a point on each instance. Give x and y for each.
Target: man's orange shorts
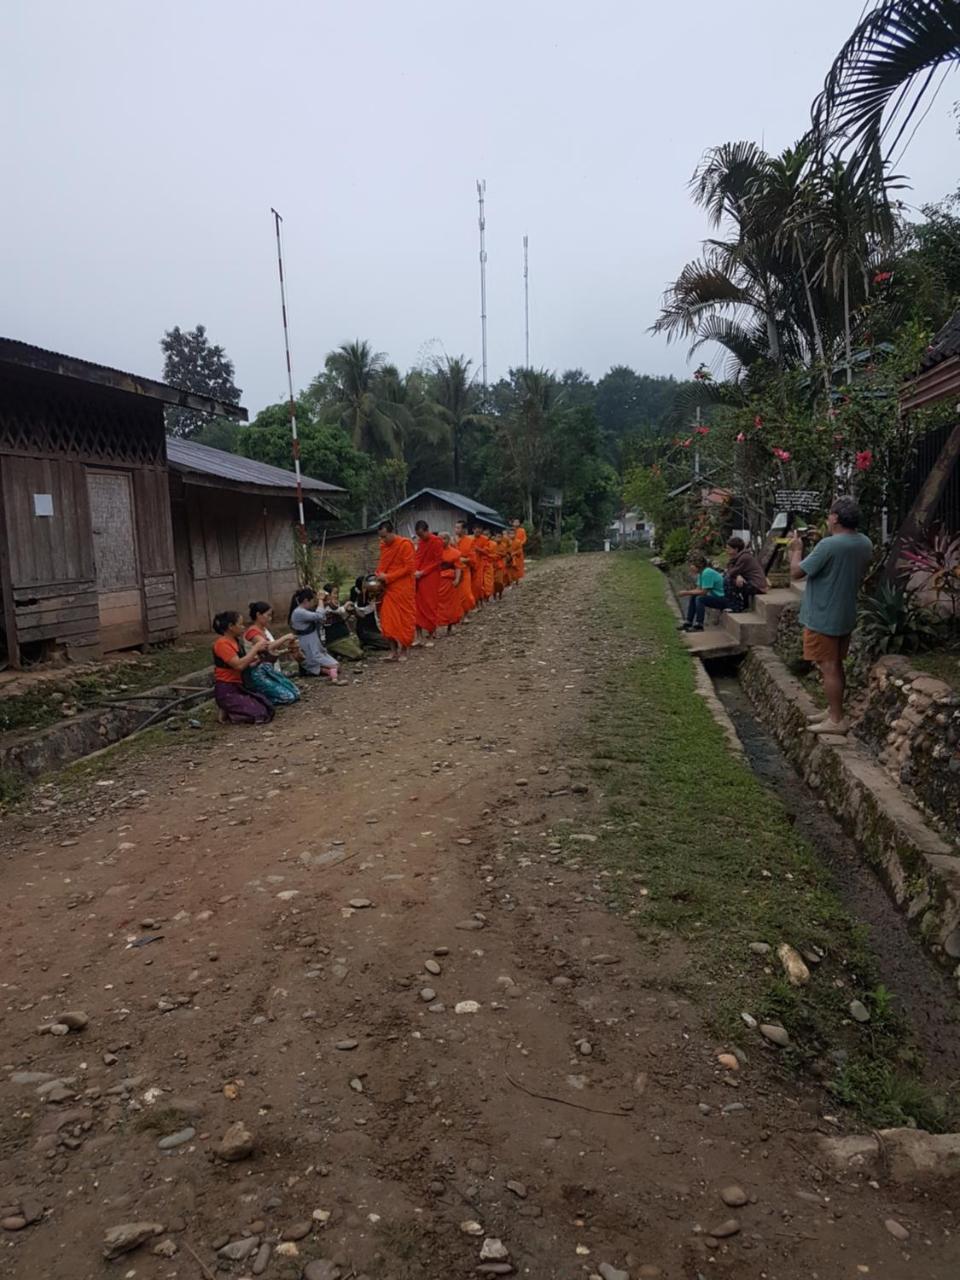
(820, 648)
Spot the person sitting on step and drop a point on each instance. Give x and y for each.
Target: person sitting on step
(709, 593)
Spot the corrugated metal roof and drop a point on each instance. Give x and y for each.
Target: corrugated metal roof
(26, 355)
(187, 455)
(486, 514)
(945, 344)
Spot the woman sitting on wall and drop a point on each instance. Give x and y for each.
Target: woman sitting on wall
(307, 619)
(236, 704)
(265, 676)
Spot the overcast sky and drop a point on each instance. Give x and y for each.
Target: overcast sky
(145, 143)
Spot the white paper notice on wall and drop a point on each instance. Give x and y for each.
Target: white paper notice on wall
(43, 504)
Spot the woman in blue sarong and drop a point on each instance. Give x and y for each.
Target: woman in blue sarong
(266, 676)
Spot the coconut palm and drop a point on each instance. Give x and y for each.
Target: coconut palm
(455, 392)
(883, 73)
(423, 427)
(354, 371)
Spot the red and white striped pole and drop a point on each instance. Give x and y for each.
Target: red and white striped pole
(293, 408)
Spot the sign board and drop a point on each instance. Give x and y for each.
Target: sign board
(799, 500)
(43, 504)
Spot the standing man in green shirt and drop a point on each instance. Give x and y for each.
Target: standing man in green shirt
(709, 593)
(834, 570)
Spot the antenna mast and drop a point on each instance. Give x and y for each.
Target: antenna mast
(526, 301)
(481, 191)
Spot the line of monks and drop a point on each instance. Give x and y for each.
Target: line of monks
(441, 580)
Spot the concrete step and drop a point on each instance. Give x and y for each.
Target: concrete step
(770, 606)
(749, 628)
(715, 642)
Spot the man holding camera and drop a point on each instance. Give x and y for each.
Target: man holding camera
(833, 570)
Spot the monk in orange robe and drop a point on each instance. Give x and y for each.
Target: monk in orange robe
(484, 548)
(398, 605)
(519, 538)
(499, 565)
(427, 577)
(469, 584)
(449, 606)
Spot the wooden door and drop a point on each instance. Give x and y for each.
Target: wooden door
(115, 554)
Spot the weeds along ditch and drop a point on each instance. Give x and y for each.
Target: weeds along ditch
(919, 991)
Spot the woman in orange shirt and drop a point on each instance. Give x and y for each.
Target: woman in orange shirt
(236, 704)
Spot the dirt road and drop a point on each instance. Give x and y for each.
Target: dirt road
(383, 948)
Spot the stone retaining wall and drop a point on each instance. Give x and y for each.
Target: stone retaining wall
(920, 869)
(912, 722)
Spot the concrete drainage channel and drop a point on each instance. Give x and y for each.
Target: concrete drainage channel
(27, 756)
(924, 990)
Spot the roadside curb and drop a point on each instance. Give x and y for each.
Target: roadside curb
(705, 684)
(921, 871)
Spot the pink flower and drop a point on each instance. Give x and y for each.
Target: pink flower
(702, 431)
(781, 455)
(740, 437)
(758, 422)
(864, 460)
(685, 444)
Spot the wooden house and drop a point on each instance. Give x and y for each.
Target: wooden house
(86, 546)
(234, 529)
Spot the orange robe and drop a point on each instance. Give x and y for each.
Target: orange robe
(519, 538)
(485, 550)
(398, 607)
(450, 608)
(428, 554)
(469, 595)
(499, 567)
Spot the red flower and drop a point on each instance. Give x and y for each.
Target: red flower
(685, 444)
(758, 422)
(864, 460)
(881, 277)
(781, 455)
(740, 437)
(701, 431)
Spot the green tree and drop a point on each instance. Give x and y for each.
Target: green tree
(326, 452)
(527, 431)
(193, 363)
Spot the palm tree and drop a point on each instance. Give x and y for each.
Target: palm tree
(423, 427)
(882, 74)
(353, 379)
(742, 293)
(455, 392)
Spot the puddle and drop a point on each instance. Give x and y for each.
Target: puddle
(924, 994)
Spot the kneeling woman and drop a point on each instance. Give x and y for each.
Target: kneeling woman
(306, 621)
(237, 704)
(266, 676)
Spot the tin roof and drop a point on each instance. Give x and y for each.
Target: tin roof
(199, 459)
(25, 356)
(486, 515)
(945, 344)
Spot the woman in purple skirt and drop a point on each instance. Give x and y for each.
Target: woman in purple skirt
(236, 704)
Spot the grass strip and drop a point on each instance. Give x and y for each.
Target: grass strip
(699, 847)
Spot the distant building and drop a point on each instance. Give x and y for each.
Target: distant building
(357, 552)
(632, 528)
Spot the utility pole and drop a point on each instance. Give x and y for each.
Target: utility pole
(481, 192)
(696, 450)
(526, 300)
(302, 528)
